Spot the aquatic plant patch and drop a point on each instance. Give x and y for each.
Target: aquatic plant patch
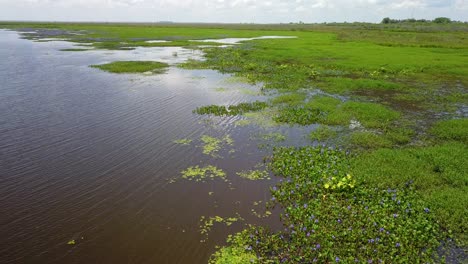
(231, 110)
(329, 217)
(211, 145)
(183, 141)
(207, 223)
(201, 174)
(133, 67)
(254, 174)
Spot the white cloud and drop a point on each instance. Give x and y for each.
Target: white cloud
(231, 10)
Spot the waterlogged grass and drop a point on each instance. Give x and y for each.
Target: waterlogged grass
(323, 133)
(331, 111)
(254, 175)
(329, 217)
(201, 174)
(439, 174)
(455, 129)
(231, 110)
(369, 140)
(133, 67)
(341, 85)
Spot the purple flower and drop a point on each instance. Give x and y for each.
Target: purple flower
(317, 246)
(337, 259)
(305, 205)
(274, 188)
(395, 215)
(304, 228)
(314, 260)
(339, 221)
(308, 234)
(369, 261)
(397, 245)
(381, 229)
(316, 220)
(426, 210)
(349, 207)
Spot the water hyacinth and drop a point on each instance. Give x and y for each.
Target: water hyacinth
(321, 222)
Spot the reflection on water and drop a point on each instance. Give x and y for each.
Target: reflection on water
(88, 156)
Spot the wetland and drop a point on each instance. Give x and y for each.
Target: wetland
(233, 143)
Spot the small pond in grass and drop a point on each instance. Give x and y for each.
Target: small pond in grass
(89, 171)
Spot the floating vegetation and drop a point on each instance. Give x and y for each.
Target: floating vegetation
(221, 110)
(207, 223)
(264, 214)
(133, 67)
(195, 173)
(71, 242)
(212, 145)
(329, 217)
(221, 89)
(254, 174)
(183, 141)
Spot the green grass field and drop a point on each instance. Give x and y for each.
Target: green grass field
(392, 95)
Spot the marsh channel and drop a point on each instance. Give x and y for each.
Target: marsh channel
(90, 171)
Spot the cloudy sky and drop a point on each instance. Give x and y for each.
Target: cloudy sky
(227, 11)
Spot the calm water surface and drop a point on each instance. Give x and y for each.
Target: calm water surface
(88, 155)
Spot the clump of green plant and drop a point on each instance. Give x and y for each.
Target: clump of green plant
(201, 174)
(183, 141)
(329, 217)
(238, 253)
(369, 140)
(439, 174)
(289, 99)
(133, 67)
(254, 174)
(213, 145)
(323, 133)
(232, 110)
(455, 129)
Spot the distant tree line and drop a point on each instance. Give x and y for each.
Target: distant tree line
(438, 20)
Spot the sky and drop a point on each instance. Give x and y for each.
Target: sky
(231, 11)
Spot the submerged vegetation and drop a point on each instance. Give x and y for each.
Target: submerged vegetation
(393, 94)
(133, 67)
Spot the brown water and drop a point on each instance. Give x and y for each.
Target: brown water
(88, 155)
